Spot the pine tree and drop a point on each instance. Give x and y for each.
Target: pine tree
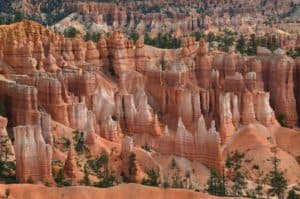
(276, 178)
(132, 168)
(293, 194)
(216, 184)
(241, 45)
(153, 178)
(86, 180)
(234, 162)
(252, 45)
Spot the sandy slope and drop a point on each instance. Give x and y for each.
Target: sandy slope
(125, 191)
(256, 141)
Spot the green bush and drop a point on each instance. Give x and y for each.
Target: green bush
(71, 32)
(153, 178)
(79, 142)
(163, 40)
(216, 184)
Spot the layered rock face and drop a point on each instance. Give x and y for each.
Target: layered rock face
(281, 86)
(33, 155)
(21, 102)
(164, 98)
(203, 66)
(191, 146)
(132, 108)
(241, 16)
(70, 167)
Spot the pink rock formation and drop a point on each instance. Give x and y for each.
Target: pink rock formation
(247, 113)
(33, 155)
(79, 49)
(282, 88)
(70, 167)
(203, 65)
(51, 97)
(263, 111)
(50, 63)
(92, 54)
(103, 50)
(184, 143)
(46, 128)
(67, 54)
(226, 117)
(111, 130)
(122, 53)
(191, 146)
(22, 102)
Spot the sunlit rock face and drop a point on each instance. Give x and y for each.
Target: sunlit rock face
(70, 167)
(281, 85)
(33, 155)
(186, 144)
(189, 102)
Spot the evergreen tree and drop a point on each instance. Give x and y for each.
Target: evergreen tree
(293, 194)
(241, 45)
(71, 32)
(79, 142)
(86, 180)
(19, 16)
(252, 45)
(153, 178)
(132, 168)
(234, 162)
(216, 184)
(276, 178)
(59, 177)
(2, 21)
(134, 35)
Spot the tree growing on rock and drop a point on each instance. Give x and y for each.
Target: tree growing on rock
(234, 162)
(216, 184)
(276, 177)
(153, 178)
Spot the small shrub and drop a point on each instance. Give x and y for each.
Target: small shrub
(30, 180)
(7, 192)
(71, 32)
(282, 120)
(153, 178)
(165, 184)
(146, 147)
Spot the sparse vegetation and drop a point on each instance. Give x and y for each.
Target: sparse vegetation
(234, 162)
(153, 178)
(134, 35)
(132, 168)
(71, 32)
(293, 195)
(282, 120)
(30, 180)
(93, 36)
(216, 184)
(163, 40)
(146, 147)
(7, 192)
(177, 181)
(79, 142)
(99, 167)
(7, 167)
(276, 177)
(86, 180)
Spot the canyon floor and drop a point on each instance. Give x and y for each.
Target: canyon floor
(125, 191)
